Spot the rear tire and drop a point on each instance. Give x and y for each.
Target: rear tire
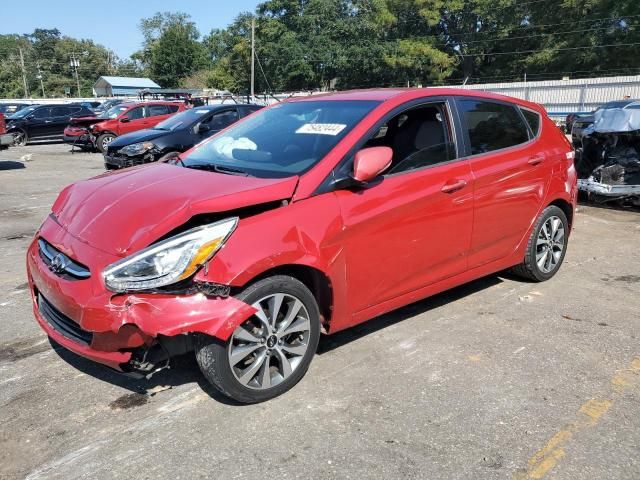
(103, 141)
(546, 247)
(269, 352)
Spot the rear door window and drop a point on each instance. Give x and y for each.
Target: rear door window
(41, 113)
(492, 126)
(135, 113)
(60, 111)
(223, 119)
(173, 108)
(156, 110)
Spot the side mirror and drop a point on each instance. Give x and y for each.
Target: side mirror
(371, 162)
(30, 117)
(203, 128)
(124, 120)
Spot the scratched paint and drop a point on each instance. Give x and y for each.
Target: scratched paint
(589, 414)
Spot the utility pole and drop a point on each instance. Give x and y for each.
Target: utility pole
(24, 75)
(75, 63)
(253, 56)
(40, 78)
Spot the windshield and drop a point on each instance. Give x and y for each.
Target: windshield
(182, 119)
(281, 141)
(113, 112)
(22, 113)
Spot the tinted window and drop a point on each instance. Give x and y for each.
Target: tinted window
(173, 108)
(222, 120)
(135, 113)
(284, 140)
(155, 110)
(42, 113)
(533, 119)
(60, 111)
(492, 126)
(419, 137)
(76, 109)
(182, 119)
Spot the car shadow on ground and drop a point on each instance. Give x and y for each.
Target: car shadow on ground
(184, 369)
(337, 340)
(11, 165)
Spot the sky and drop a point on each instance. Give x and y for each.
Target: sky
(114, 23)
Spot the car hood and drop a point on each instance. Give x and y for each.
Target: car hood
(122, 212)
(136, 137)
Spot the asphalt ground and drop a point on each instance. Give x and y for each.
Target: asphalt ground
(496, 379)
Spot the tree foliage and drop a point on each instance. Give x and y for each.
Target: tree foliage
(322, 44)
(47, 54)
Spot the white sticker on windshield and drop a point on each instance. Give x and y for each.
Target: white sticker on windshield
(332, 129)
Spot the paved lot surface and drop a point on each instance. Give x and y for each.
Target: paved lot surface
(497, 379)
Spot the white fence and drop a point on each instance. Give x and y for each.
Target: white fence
(561, 97)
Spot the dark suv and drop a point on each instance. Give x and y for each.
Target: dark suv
(174, 135)
(43, 121)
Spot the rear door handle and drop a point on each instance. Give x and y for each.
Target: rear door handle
(453, 186)
(538, 159)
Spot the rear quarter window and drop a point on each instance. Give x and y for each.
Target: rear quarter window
(492, 126)
(533, 119)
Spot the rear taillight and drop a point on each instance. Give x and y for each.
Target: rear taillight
(3, 125)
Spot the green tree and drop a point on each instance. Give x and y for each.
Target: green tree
(171, 49)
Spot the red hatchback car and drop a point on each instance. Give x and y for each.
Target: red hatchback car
(308, 217)
(123, 118)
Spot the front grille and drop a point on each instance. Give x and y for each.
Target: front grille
(60, 264)
(124, 161)
(61, 323)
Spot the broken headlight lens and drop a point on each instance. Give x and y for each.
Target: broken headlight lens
(169, 261)
(137, 148)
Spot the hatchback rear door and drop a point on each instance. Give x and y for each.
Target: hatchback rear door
(511, 172)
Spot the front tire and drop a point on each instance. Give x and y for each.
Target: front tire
(269, 352)
(20, 138)
(546, 247)
(103, 141)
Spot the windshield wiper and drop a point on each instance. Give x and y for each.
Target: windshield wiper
(218, 169)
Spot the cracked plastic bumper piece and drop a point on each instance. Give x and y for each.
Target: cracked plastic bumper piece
(592, 186)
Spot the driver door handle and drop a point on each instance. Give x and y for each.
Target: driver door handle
(453, 186)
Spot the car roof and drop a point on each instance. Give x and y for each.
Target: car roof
(406, 94)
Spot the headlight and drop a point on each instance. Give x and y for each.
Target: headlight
(137, 148)
(169, 261)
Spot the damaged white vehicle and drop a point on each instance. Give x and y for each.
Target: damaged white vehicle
(608, 162)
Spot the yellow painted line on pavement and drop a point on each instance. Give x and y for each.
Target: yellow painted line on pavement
(541, 463)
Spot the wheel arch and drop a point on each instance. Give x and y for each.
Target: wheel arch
(314, 279)
(566, 207)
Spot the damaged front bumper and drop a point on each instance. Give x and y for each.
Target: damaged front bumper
(127, 332)
(117, 161)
